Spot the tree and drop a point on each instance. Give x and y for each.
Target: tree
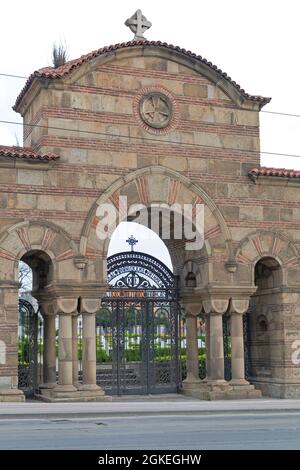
(25, 277)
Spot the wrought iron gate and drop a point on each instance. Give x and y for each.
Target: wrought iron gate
(144, 354)
(29, 348)
(227, 347)
(138, 327)
(247, 344)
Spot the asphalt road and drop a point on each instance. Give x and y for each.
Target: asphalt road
(199, 432)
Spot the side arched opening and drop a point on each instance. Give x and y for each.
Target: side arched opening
(263, 327)
(35, 273)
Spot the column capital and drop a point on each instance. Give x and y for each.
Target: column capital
(192, 308)
(215, 306)
(89, 305)
(65, 306)
(239, 306)
(47, 308)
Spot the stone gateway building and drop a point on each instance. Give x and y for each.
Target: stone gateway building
(157, 124)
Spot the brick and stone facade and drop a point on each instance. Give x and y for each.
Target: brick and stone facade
(85, 143)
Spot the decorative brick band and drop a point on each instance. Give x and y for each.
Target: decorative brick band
(153, 149)
(128, 119)
(149, 73)
(181, 99)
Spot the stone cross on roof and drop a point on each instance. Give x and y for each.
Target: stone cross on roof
(138, 24)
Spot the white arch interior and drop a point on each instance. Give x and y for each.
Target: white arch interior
(148, 242)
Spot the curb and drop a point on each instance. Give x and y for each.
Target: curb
(120, 414)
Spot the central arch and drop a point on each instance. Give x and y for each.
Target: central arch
(137, 328)
(158, 185)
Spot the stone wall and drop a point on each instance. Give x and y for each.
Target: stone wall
(90, 118)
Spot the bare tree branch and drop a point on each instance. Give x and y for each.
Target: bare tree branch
(25, 276)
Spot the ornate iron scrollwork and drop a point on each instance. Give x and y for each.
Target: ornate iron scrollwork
(28, 348)
(139, 346)
(132, 269)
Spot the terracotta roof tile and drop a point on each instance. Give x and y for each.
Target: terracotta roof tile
(26, 153)
(63, 70)
(279, 172)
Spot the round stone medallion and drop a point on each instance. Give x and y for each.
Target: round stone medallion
(156, 110)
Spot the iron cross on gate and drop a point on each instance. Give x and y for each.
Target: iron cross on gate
(132, 241)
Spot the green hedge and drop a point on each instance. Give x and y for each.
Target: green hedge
(202, 368)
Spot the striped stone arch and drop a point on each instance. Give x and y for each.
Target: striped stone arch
(262, 244)
(23, 237)
(157, 184)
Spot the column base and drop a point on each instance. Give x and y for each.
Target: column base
(196, 390)
(190, 384)
(11, 395)
(242, 391)
(217, 382)
(69, 393)
(48, 385)
(234, 382)
(89, 388)
(221, 390)
(64, 388)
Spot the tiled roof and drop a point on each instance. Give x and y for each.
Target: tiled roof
(26, 153)
(279, 172)
(63, 70)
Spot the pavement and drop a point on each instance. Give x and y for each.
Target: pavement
(227, 431)
(145, 406)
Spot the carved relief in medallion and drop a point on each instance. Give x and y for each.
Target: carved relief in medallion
(156, 110)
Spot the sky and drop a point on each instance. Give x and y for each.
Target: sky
(255, 42)
(148, 242)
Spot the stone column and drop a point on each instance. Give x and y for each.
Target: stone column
(75, 350)
(49, 352)
(192, 362)
(89, 307)
(9, 315)
(237, 309)
(65, 357)
(216, 308)
(65, 309)
(207, 346)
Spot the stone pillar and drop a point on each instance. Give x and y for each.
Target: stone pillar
(89, 350)
(9, 315)
(238, 308)
(216, 347)
(65, 357)
(192, 362)
(89, 307)
(49, 352)
(207, 346)
(75, 350)
(216, 308)
(65, 309)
